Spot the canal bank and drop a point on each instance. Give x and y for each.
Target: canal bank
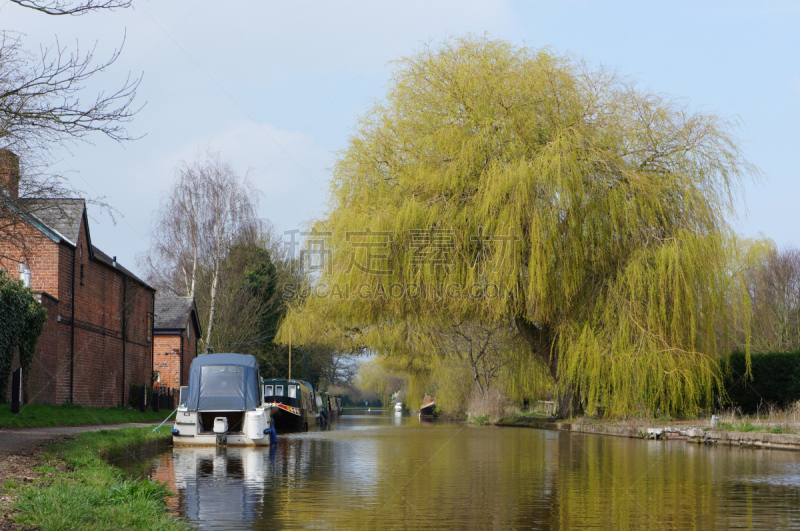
(69, 484)
(693, 434)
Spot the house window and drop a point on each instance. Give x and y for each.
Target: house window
(25, 275)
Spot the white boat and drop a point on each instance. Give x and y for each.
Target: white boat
(398, 406)
(223, 404)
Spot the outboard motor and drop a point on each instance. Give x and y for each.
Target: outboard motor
(221, 429)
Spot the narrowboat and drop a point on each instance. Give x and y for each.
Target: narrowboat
(223, 404)
(333, 404)
(428, 406)
(291, 402)
(329, 408)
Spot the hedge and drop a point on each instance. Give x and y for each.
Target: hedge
(775, 380)
(135, 393)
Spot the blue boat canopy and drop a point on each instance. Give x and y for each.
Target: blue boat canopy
(223, 382)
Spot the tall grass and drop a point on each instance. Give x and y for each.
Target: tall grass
(73, 415)
(92, 494)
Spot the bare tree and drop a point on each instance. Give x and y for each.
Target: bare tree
(62, 7)
(479, 347)
(774, 288)
(208, 210)
(43, 106)
(40, 98)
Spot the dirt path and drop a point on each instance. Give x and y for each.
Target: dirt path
(16, 440)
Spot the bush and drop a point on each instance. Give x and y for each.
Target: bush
(775, 381)
(133, 397)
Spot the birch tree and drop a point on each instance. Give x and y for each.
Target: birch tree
(496, 182)
(208, 209)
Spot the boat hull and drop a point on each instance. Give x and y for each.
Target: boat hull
(252, 428)
(211, 440)
(288, 421)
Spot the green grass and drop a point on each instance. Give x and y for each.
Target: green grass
(480, 420)
(73, 415)
(94, 495)
(747, 427)
(523, 416)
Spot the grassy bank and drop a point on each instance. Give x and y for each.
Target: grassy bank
(74, 488)
(777, 422)
(73, 415)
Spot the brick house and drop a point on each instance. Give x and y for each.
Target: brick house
(98, 338)
(177, 328)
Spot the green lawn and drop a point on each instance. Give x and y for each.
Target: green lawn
(71, 415)
(84, 492)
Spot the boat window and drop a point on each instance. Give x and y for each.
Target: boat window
(268, 390)
(279, 390)
(292, 391)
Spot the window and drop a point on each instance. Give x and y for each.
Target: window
(292, 391)
(268, 390)
(279, 390)
(25, 275)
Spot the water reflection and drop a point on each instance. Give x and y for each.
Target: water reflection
(389, 471)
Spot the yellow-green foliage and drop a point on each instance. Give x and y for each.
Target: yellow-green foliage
(559, 195)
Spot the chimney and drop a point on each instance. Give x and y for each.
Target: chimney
(9, 173)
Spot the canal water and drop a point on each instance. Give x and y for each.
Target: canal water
(380, 470)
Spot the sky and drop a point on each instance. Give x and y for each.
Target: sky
(277, 87)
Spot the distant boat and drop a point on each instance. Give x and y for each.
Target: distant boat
(398, 407)
(223, 404)
(330, 404)
(428, 406)
(292, 404)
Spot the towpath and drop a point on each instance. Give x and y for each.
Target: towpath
(15, 440)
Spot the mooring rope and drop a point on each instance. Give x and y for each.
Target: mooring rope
(165, 420)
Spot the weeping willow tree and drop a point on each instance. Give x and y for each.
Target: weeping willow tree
(497, 182)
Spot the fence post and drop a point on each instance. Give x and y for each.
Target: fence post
(155, 400)
(16, 391)
(143, 398)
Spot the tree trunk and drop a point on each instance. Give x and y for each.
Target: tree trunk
(213, 304)
(194, 273)
(541, 339)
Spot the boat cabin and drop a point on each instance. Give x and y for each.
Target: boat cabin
(223, 403)
(292, 403)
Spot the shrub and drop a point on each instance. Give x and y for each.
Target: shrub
(775, 380)
(135, 393)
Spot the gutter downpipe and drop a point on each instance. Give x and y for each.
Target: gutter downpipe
(180, 378)
(152, 334)
(72, 334)
(124, 300)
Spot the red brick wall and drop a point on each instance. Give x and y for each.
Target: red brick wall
(39, 252)
(47, 367)
(167, 361)
(42, 255)
(98, 362)
(169, 350)
(97, 365)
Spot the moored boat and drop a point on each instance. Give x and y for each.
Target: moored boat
(398, 407)
(223, 404)
(333, 404)
(428, 406)
(292, 404)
